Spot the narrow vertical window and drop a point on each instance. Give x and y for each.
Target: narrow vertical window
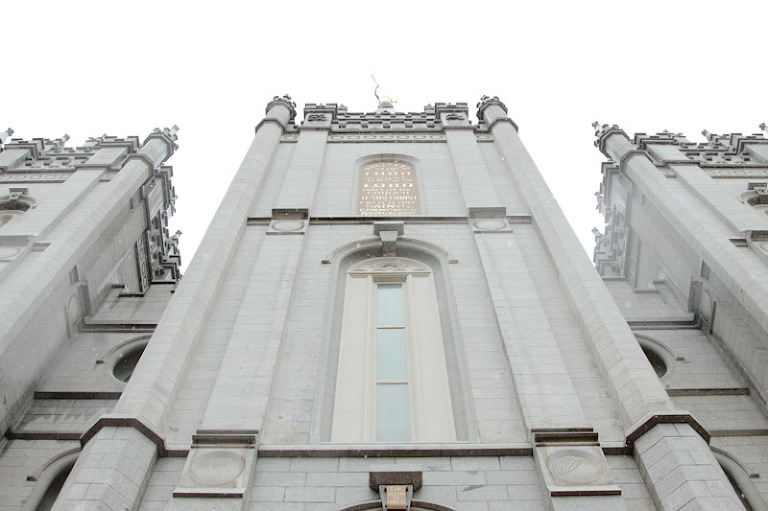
(393, 421)
(392, 381)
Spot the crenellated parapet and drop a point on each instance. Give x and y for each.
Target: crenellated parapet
(668, 148)
(41, 155)
(384, 120)
(40, 160)
(387, 124)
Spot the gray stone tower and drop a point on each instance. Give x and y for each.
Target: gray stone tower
(87, 267)
(684, 255)
(388, 310)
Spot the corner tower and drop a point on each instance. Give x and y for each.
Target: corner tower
(87, 266)
(684, 255)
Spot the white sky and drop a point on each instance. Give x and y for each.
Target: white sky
(124, 68)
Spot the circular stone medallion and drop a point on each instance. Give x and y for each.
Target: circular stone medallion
(490, 224)
(574, 466)
(217, 468)
(288, 225)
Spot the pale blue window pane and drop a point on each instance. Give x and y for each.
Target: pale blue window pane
(393, 421)
(390, 300)
(390, 354)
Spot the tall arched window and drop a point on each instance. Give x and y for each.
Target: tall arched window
(392, 382)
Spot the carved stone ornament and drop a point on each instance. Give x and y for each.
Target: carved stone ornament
(317, 118)
(490, 224)
(454, 117)
(576, 468)
(389, 265)
(288, 225)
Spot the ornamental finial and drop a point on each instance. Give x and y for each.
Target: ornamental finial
(602, 129)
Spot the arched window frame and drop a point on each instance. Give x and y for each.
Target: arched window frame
(739, 476)
(59, 465)
(355, 405)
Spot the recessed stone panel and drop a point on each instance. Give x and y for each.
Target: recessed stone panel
(214, 471)
(574, 470)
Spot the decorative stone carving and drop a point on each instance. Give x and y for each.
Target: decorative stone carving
(575, 469)
(317, 118)
(490, 224)
(288, 225)
(288, 221)
(383, 265)
(574, 466)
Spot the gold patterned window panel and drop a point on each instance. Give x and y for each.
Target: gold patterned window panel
(388, 188)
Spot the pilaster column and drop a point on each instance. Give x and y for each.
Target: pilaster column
(630, 379)
(474, 179)
(674, 458)
(633, 384)
(301, 180)
(111, 473)
(152, 390)
(140, 414)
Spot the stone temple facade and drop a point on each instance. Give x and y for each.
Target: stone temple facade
(388, 311)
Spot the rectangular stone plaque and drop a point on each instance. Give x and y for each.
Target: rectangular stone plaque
(396, 497)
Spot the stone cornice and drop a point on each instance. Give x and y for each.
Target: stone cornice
(126, 421)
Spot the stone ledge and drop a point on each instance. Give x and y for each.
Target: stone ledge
(125, 421)
(77, 394)
(393, 451)
(651, 420)
(733, 391)
(376, 479)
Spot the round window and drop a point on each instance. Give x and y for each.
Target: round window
(657, 362)
(126, 362)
